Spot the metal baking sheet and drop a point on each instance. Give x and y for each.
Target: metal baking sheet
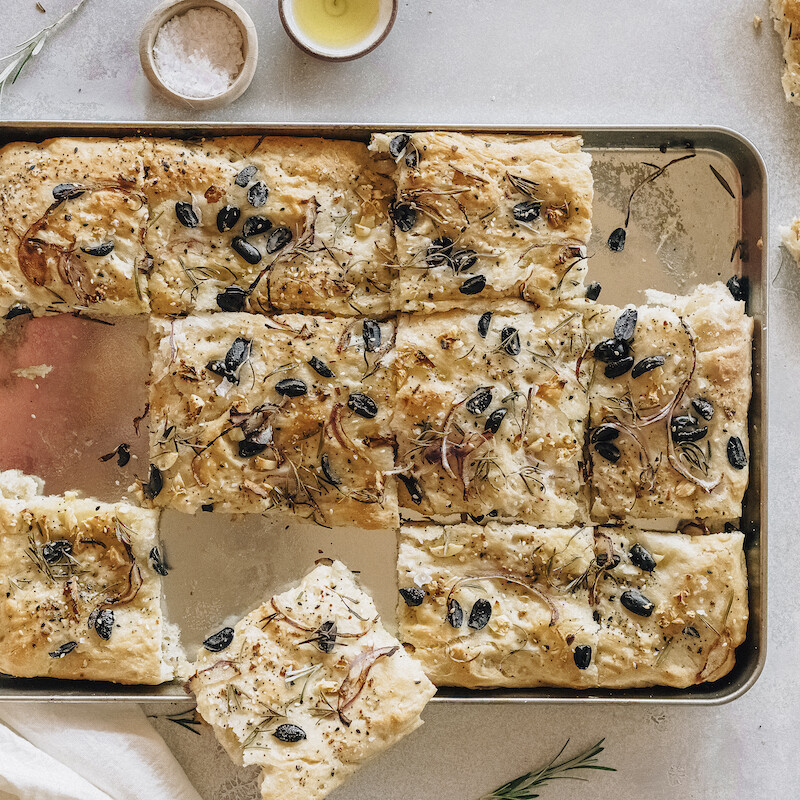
(685, 228)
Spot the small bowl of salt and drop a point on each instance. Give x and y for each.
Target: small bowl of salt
(200, 52)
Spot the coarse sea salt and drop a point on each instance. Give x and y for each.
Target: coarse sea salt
(199, 53)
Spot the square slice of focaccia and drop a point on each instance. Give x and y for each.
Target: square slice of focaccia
(674, 609)
(482, 217)
(250, 413)
(786, 17)
(668, 434)
(73, 216)
(80, 589)
(500, 605)
(309, 686)
(285, 223)
(490, 415)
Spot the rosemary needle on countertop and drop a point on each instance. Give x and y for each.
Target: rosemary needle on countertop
(521, 788)
(29, 48)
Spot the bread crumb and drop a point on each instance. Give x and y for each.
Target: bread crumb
(757, 22)
(33, 372)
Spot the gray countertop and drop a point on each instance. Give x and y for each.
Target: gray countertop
(614, 62)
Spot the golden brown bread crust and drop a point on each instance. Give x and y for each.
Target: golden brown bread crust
(43, 263)
(786, 17)
(466, 188)
(315, 455)
(694, 589)
(644, 482)
(63, 562)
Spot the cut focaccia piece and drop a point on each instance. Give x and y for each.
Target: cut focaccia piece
(80, 589)
(480, 217)
(500, 605)
(701, 393)
(786, 17)
(490, 415)
(309, 686)
(73, 218)
(276, 222)
(790, 239)
(673, 611)
(250, 413)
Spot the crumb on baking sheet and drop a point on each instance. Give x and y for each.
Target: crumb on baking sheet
(33, 372)
(757, 22)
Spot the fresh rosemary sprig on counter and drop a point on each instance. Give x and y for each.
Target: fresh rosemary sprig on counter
(522, 788)
(29, 48)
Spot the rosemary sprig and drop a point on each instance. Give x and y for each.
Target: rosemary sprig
(29, 48)
(522, 788)
(187, 722)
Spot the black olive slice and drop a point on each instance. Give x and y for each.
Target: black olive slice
(257, 194)
(248, 449)
(608, 450)
(616, 240)
(61, 651)
(509, 340)
(219, 640)
(603, 433)
(227, 217)
(703, 407)
(494, 420)
(320, 367)
(249, 252)
(99, 250)
(483, 324)
(480, 400)
(291, 387)
(455, 614)
(278, 239)
(438, 253)
(615, 369)
(527, 211)
(739, 287)
(480, 614)
(625, 326)
(473, 285)
(611, 350)
(646, 365)
(404, 216)
(412, 487)
(289, 733)
(642, 558)
(103, 623)
(254, 226)
(186, 215)
(246, 175)
(66, 191)
(371, 332)
(157, 562)
(462, 260)
(398, 144)
(637, 603)
(582, 656)
(327, 470)
(155, 483)
(593, 291)
(412, 596)
(736, 455)
(232, 299)
(362, 405)
(56, 550)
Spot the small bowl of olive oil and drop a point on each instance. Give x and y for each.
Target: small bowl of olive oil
(337, 30)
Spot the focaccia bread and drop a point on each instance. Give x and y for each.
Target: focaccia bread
(309, 686)
(490, 415)
(517, 606)
(673, 611)
(786, 17)
(80, 589)
(287, 223)
(499, 605)
(668, 436)
(72, 217)
(483, 217)
(251, 413)
(790, 238)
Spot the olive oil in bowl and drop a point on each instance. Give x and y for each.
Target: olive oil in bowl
(338, 30)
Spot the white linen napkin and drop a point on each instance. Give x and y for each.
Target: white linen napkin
(86, 751)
